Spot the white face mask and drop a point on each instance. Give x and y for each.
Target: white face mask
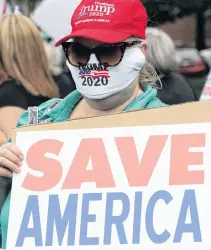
(95, 81)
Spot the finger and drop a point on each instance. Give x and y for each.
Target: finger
(5, 172)
(10, 156)
(5, 163)
(15, 150)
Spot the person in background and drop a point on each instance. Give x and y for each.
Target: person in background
(107, 59)
(65, 83)
(175, 89)
(27, 79)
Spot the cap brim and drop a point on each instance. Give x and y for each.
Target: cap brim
(104, 36)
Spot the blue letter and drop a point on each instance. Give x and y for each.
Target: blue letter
(137, 218)
(156, 238)
(189, 202)
(32, 208)
(110, 219)
(54, 217)
(86, 218)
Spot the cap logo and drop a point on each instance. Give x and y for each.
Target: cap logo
(97, 9)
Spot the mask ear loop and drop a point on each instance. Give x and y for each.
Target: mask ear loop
(160, 86)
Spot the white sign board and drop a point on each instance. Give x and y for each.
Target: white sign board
(206, 92)
(114, 188)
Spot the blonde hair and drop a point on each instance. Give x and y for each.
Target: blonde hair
(23, 57)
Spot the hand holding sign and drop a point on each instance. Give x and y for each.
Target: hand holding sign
(10, 159)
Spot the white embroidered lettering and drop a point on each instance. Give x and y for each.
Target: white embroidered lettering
(99, 8)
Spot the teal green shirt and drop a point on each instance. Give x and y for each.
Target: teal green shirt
(62, 112)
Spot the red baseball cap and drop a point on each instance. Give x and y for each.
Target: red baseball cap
(108, 21)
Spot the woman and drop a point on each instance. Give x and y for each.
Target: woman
(162, 54)
(27, 79)
(106, 57)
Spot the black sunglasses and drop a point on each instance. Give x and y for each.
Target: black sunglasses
(107, 54)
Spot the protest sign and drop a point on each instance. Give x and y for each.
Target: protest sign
(117, 181)
(206, 92)
(5, 8)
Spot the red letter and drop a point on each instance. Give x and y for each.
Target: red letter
(36, 160)
(139, 174)
(101, 172)
(181, 158)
